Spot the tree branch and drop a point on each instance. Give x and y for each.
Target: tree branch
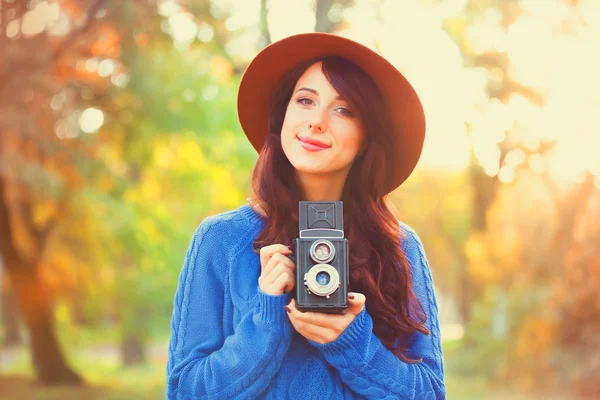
(6, 78)
(91, 13)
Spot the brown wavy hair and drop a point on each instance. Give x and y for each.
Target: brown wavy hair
(378, 266)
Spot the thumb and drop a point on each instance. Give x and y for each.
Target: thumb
(356, 302)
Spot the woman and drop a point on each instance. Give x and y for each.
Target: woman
(332, 120)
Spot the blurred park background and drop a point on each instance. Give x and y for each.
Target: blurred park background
(119, 134)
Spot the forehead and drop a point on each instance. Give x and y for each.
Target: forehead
(313, 78)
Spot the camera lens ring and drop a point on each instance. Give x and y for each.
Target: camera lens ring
(311, 282)
(313, 251)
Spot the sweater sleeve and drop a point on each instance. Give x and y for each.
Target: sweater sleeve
(202, 363)
(370, 369)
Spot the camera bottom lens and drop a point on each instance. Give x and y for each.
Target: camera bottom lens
(322, 280)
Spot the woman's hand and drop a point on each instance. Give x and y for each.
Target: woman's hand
(325, 328)
(278, 273)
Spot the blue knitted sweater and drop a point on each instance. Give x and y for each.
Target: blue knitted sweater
(229, 340)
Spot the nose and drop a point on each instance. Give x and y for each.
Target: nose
(317, 123)
(315, 127)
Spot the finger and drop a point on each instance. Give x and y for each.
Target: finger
(316, 318)
(275, 273)
(268, 268)
(290, 284)
(286, 281)
(276, 260)
(267, 252)
(356, 302)
(281, 282)
(282, 279)
(279, 258)
(313, 332)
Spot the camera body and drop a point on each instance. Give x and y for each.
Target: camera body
(321, 255)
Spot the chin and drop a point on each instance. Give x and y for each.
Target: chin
(305, 166)
(313, 169)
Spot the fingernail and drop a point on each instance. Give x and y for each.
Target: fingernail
(287, 309)
(351, 296)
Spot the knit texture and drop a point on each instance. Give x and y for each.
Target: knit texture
(229, 340)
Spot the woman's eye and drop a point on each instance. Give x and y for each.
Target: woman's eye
(345, 111)
(304, 101)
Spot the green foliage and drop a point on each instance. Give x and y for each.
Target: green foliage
(438, 205)
(483, 351)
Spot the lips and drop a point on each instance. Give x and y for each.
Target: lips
(313, 142)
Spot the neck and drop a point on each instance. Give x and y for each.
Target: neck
(318, 187)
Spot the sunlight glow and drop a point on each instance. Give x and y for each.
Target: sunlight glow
(12, 29)
(280, 23)
(397, 24)
(91, 120)
(168, 8)
(183, 27)
(205, 32)
(34, 21)
(106, 68)
(43, 16)
(549, 49)
(210, 92)
(527, 66)
(487, 34)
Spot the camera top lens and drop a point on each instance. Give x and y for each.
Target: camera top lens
(322, 251)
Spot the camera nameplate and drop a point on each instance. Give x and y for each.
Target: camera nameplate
(321, 232)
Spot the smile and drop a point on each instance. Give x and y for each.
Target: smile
(311, 144)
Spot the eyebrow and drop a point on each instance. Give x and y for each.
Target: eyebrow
(338, 97)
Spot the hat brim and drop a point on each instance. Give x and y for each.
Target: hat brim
(263, 74)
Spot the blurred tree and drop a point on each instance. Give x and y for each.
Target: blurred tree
(557, 316)
(74, 201)
(500, 86)
(177, 98)
(38, 175)
(8, 310)
(437, 203)
(574, 353)
(264, 25)
(532, 253)
(328, 14)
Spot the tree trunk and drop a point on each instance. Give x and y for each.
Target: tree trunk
(34, 302)
(34, 305)
(484, 192)
(265, 36)
(78, 313)
(133, 351)
(10, 319)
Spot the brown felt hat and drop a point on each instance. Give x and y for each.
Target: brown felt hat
(264, 72)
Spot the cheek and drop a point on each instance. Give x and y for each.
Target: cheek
(286, 131)
(352, 142)
(288, 121)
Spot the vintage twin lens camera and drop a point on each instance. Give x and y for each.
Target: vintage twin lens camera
(322, 275)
